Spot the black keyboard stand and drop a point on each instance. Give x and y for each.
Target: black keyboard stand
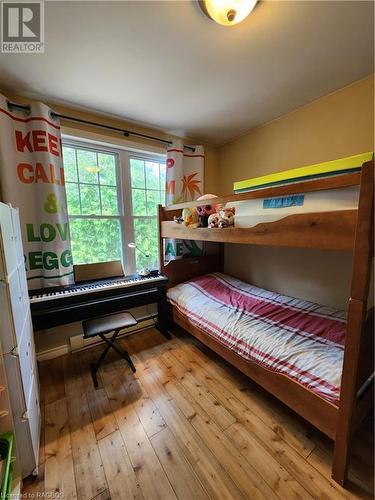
(163, 313)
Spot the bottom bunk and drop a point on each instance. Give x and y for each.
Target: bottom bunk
(306, 355)
(291, 347)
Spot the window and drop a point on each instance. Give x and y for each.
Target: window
(112, 199)
(148, 190)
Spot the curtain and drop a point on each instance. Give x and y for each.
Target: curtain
(184, 182)
(32, 179)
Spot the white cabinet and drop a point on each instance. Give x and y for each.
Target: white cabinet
(17, 350)
(16, 304)
(17, 394)
(9, 251)
(26, 356)
(17, 236)
(28, 431)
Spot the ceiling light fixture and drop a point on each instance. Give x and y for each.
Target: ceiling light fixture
(227, 12)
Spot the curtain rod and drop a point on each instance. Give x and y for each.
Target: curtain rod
(126, 133)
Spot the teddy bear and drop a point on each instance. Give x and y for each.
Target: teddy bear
(223, 218)
(226, 217)
(213, 220)
(178, 219)
(190, 217)
(204, 211)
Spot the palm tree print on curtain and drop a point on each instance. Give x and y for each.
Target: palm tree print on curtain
(184, 182)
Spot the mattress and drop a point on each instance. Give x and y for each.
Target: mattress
(308, 172)
(299, 339)
(249, 213)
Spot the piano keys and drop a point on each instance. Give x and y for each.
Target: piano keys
(65, 304)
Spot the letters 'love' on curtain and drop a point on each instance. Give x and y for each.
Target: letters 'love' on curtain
(184, 182)
(32, 179)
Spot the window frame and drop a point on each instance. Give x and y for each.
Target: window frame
(124, 192)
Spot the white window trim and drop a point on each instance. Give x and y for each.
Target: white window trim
(124, 194)
(96, 139)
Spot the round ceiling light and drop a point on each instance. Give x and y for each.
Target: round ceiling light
(227, 12)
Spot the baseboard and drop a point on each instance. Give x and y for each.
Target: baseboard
(78, 343)
(54, 352)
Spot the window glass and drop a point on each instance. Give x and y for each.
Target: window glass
(109, 200)
(148, 190)
(146, 238)
(152, 175)
(70, 165)
(92, 199)
(107, 169)
(139, 202)
(95, 240)
(137, 172)
(87, 166)
(72, 195)
(153, 199)
(95, 198)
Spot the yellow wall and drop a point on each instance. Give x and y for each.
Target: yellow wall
(340, 124)
(337, 125)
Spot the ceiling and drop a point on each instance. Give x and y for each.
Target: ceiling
(164, 64)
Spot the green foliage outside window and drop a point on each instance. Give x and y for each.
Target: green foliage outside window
(146, 238)
(95, 240)
(92, 190)
(148, 190)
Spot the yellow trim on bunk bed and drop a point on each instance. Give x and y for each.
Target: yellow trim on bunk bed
(319, 169)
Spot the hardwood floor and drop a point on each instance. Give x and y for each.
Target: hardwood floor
(186, 425)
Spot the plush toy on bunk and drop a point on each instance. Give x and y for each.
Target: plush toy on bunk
(205, 211)
(208, 215)
(223, 218)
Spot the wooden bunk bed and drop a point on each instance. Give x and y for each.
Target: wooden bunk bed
(343, 230)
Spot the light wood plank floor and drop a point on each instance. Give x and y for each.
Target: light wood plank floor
(186, 425)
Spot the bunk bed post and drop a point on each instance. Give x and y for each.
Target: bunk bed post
(357, 311)
(160, 240)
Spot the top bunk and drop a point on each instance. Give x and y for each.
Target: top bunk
(327, 218)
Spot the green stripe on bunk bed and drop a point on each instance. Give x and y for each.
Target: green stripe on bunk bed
(309, 172)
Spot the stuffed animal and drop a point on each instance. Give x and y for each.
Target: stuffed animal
(204, 211)
(190, 217)
(213, 220)
(179, 219)
(226, 217)
(223, 218)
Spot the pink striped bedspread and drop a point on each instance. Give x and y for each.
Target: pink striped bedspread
(300, 339)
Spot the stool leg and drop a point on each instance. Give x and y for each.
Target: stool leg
(124, 354)
(95, 367)
(129, 360)
(93, 370)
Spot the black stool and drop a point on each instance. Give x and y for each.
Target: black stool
(105, 324)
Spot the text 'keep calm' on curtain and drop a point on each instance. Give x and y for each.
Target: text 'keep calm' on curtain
(32, 179)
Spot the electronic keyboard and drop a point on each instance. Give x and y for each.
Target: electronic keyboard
(74, 290)
(65, 304)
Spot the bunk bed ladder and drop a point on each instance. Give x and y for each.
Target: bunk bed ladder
(349, 414)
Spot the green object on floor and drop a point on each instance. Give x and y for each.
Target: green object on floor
(6, 447)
